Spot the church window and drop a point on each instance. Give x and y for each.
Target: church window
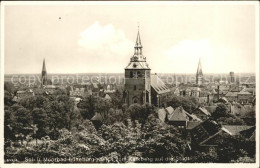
(134, 87)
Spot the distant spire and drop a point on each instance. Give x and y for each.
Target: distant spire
(199, 70)
(199, 75)
(44, 74)
(43, 66)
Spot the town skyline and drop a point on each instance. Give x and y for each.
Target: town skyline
(54, 35)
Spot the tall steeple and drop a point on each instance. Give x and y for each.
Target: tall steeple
(199, 75)
(44, 74)
(138, 54)
(137, 77)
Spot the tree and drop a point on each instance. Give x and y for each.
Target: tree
(221, 111)
(9, 87)
(86, 107)
(40, 120)
(188, 103)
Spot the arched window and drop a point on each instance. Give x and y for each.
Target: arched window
(131, 74)
(134, 87)
(135, 100)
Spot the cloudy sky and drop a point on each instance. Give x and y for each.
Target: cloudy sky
(100, 38)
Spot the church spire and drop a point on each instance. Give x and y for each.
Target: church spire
(43, 66)
(199, 75)
(44, 74)
(138, 55)
(199, 70)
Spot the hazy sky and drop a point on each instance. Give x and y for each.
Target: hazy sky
(100, 38)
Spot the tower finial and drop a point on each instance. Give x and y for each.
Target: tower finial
(138, 25)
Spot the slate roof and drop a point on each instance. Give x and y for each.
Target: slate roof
(158, 85)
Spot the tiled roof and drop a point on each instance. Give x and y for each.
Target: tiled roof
(211, 109)
(97, 117)
(250, 90)
(169, 110)
(158, 85)
(178, 115)
(192, 124)
(236, 129)
(161, 114)
(244, 93)
(231, 94)
(107, 97)
(193, 116)
(95, 85)
(204, 110)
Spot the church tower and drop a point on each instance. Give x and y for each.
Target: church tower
(199, 75)
(137, 77)
(44, 74)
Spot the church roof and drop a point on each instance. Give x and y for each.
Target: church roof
(158, 85)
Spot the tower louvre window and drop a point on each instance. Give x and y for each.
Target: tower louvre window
(131, 74)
